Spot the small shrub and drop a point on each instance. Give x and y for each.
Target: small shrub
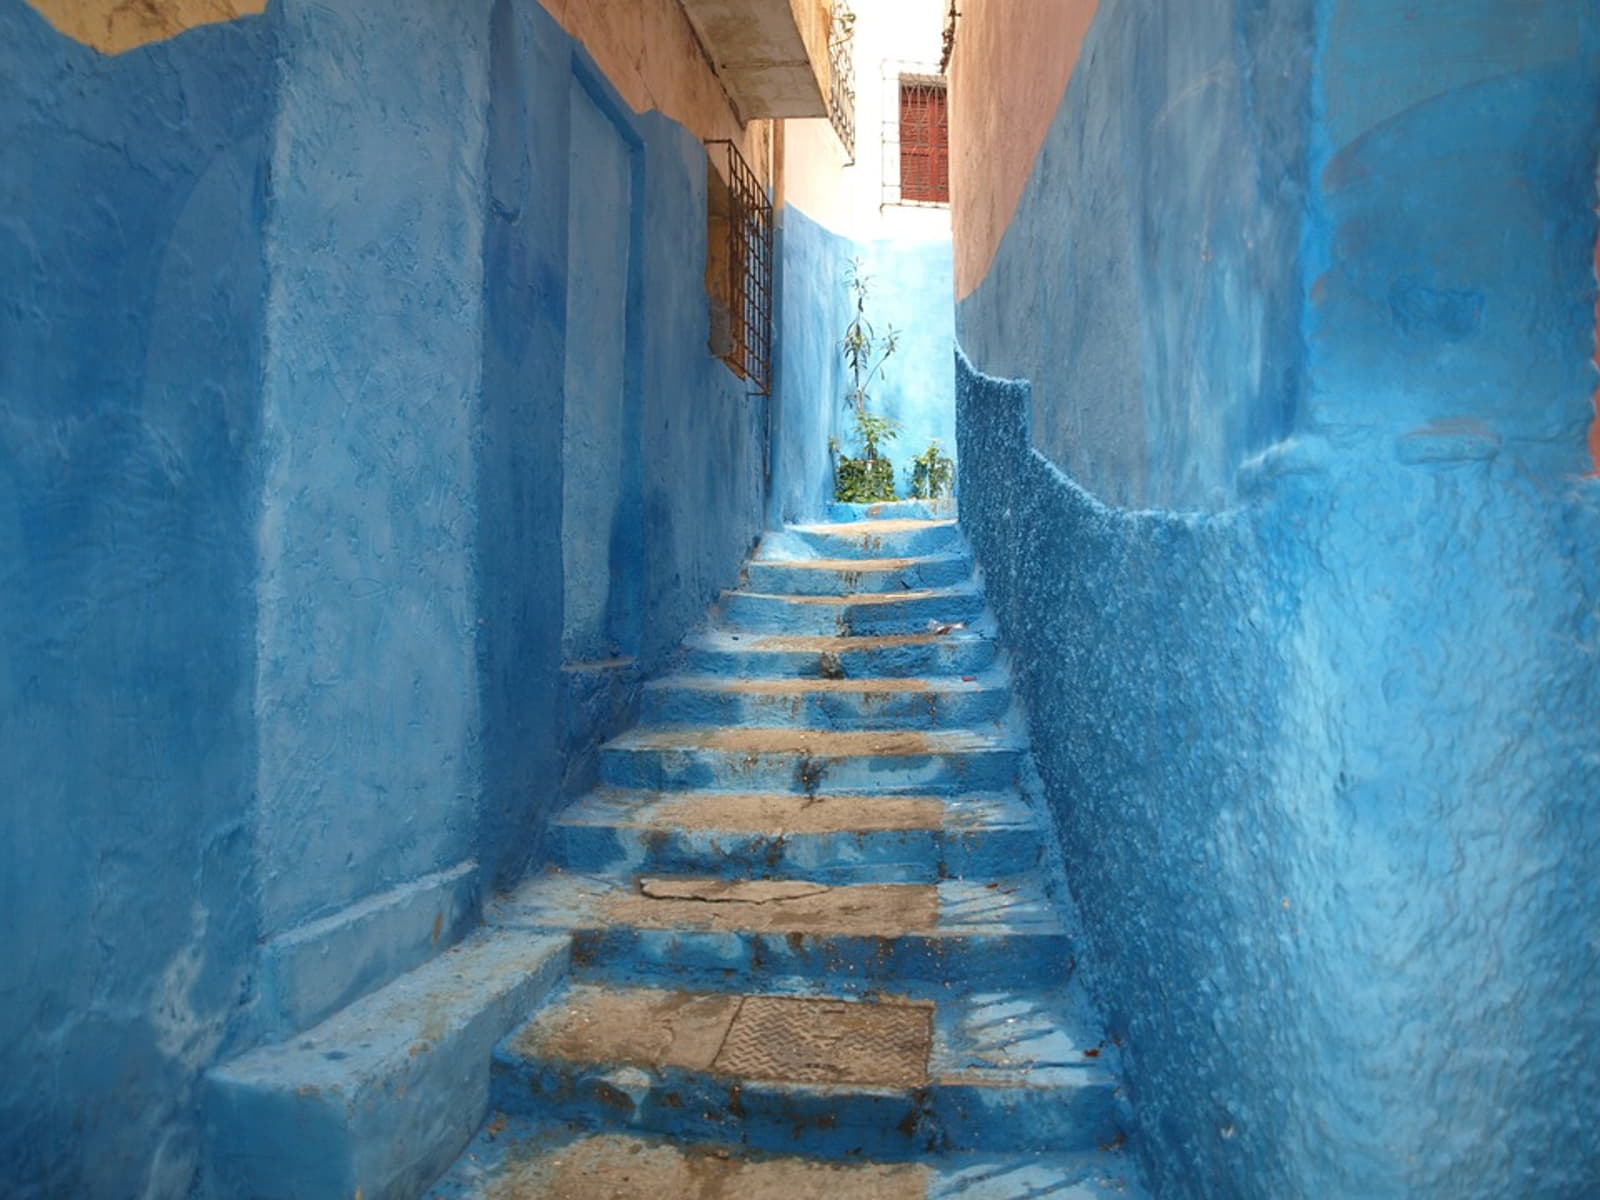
(863, 480)
(933, 473)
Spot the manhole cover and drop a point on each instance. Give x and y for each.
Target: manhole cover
(805, 1040)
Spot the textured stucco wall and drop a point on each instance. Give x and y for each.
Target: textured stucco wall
(131, 254)
(1334, 853)
(1323, 760)
(1170, 190)
(281, 491)
(366, 690)
(910, 289)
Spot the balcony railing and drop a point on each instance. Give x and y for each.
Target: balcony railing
(842, 78)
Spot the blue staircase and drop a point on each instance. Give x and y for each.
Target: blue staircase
(811, 937)
(812, 914)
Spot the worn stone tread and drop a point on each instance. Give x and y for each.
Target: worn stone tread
(783, 813)
(886, 685)
(874, 528)
(819, 643)
(514, 1159)
(860, 599)
(954, 908)
(786, 1039)
(861, 566)
(816, 743)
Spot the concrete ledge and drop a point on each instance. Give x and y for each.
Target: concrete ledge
(378, 1100)
(311, 972)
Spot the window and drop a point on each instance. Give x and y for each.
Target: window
(739, 273)
(924, 141)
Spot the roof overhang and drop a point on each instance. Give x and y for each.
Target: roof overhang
(771, 55)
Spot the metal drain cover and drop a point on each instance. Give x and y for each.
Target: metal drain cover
(805, 1040)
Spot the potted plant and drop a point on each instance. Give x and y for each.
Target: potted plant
(869, 478)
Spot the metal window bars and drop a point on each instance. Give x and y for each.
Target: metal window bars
(740, 277)
(842, 78)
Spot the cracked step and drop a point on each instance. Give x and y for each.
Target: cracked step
(888, 762)
(834, 838)
(515, 1158)
(866, 613)
(893, 703)
(927, 655)
(889, 1077)
(855, 936)
(843, 576)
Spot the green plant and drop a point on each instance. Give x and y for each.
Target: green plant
(870, 478)
(865, 350)
(863, 480)
(933, 473)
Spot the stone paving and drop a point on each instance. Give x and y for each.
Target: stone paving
(815, 937)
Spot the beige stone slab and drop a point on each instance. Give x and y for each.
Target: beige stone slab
(642, 1027)
(854, 599)
(866, 529)
(789, 813)
(791, 1039)
(815, 742)
(853, 566)
(775, 906)
(834, 644)
(874, 686)
(616, 1167)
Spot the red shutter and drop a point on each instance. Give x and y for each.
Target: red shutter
(924, 143)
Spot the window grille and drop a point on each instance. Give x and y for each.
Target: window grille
(739, 267)
(842, 77)
(916, 137)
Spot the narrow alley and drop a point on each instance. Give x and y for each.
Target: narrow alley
(973, 599)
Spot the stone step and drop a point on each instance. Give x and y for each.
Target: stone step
(890, 1078)
(844, 576)
(379, 1099)
(515, 1158)
(943, 509)
(895, 537)
(830, 838)
(719, 932)
(927, 655)
(891, 703)
(866, 613)
(904, 762)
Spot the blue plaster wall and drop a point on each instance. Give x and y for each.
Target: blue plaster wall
(1323, 760)
(282, 350)
(1160, 323)
(813, 308)
(912, 283)
(132, 276)
(704, 470)
(366, 692)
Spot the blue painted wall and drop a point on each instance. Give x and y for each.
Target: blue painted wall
(282, 359)
(1323, 759)
(1160, 322)
(911, 284)
(366, 689)
(132, 193)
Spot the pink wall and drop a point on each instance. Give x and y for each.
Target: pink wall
(1008, 73)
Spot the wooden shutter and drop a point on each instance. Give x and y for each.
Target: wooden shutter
(924, 142)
